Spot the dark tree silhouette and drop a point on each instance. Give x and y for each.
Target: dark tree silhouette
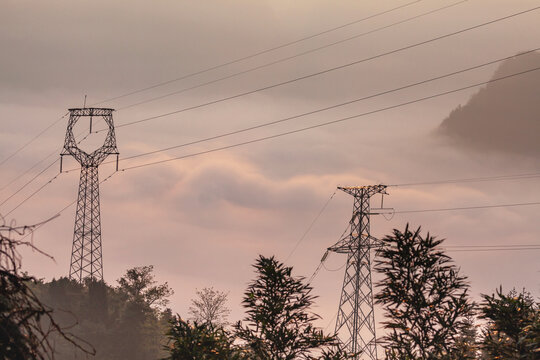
(466, 346)
(113, 322)
(26, 324)
(143, 300)
(139, 286)
(425, 299)
(279, 324)
(194, 341)
(513, 326)
(210, 307)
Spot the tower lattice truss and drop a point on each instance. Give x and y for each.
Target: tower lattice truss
(355, 325)
(86, 254)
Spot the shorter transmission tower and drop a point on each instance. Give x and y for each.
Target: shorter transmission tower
(355, 325)
(86, 255)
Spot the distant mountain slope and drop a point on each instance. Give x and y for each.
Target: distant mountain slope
(504, 115)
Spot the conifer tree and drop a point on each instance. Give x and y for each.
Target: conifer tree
(279, 323)
(513, 326)
(194, 341)
(425, 300)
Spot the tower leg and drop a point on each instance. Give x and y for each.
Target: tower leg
(86, 261)
(355, 323)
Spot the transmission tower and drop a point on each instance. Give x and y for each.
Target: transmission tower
(86, 260)
(355, 325)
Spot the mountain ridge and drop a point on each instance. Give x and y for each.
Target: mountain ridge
(502, 116)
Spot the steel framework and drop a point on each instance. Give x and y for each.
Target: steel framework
(86, 254)
(355, 325)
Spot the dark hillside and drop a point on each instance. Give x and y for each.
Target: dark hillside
(502, 116)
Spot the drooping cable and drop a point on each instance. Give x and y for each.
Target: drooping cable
(326, 70)
(532, 203)
(417, 100)
(473, 179)
(183, 77)
(33, 139)
(271, 63)
(323, 124)
(311, 225)
(33, 179)
(386, 92)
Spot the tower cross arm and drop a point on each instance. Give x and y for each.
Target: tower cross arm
(367, 191)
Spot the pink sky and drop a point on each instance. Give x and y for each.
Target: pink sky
(202, 221)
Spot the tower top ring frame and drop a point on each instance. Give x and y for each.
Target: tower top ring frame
(95, 158)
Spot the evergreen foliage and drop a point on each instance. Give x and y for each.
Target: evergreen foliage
(425, 300)
(193, 341)
(27, 325)
(126, 322)
(513, 326)
(279, 324)
(466, 345)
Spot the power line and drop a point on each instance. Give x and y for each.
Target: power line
(209, 69)
(311, 226)
(325, 255)
(43, 159)
(334, 270)
(490, 246)
(67, 206)
(457, 248)
(329, 108)
(321, 125)
(256, 140)
(321, 110)
(327, 70)
(18, 177)
(366, 18)
(330, 122)
(32, 195)
(258, 53)
(215, 67)
(34, 178)
(289, 57)
(331, 320)
(37, 175)
(32, 140)
(477, 179)
(467, 208)
(501, 249)
(28, 182)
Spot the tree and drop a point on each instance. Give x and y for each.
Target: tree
(26, 324)
(513, 325)
(194, 341)
(466, 345)
(279, 323)
(139, 320)
(425, 300)
(138, 285)
(110, 320)
(210, 308)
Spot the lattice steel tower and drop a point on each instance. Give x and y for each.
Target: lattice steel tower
(86, 260)
(355, 325)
